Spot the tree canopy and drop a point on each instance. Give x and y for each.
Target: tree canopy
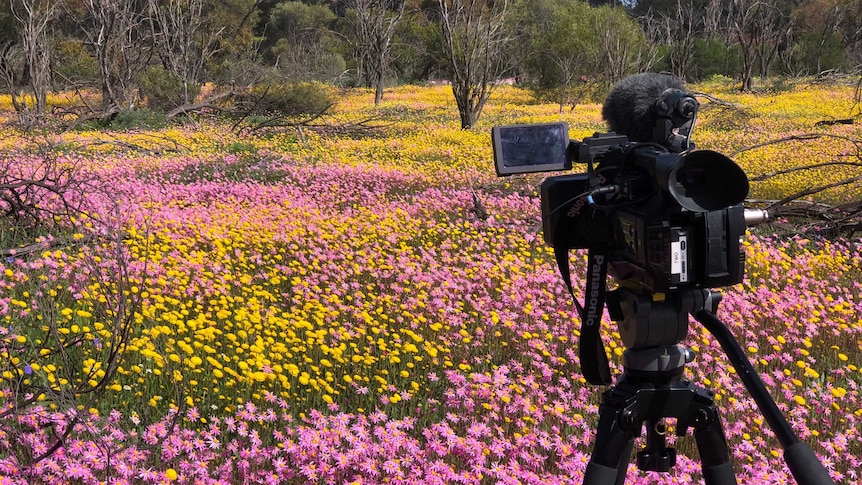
(161, 52)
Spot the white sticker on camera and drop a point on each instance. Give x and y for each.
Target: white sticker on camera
(679, 258)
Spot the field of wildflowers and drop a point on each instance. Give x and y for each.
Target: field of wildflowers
(331, 308)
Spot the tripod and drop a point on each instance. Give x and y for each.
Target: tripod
(652, 388)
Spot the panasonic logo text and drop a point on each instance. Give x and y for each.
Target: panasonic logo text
(594, 311)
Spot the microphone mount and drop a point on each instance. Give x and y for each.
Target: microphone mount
(677, 114)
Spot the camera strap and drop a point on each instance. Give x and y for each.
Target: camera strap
(591, 350)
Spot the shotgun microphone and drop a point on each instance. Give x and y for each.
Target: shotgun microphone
(651, 107)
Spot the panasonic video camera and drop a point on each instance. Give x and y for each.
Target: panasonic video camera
(667, 216)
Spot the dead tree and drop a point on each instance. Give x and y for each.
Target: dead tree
(375, 24)
(183, 43)
(678, 29)
(34, 18)
(759, 28)
(474, 38)
(119, 35)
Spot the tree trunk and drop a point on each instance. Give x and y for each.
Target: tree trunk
(34, 17)
(474, 40)
(378, 92)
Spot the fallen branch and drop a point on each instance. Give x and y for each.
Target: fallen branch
(165, 144)
(843, 121)
(350, 129)
(283, 122)
(803, 216)
(831, 220)
(23, 251)
(718, 101)
(42, 246)
(812, 191)
(765, 176)
(93, 116)
(208, 103)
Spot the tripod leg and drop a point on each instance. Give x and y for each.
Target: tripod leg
(623, 467)
(611, 450)
(712, 446)
(801, 460)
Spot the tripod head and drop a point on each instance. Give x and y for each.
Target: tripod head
(652, 324)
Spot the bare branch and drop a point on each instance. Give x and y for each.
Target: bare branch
(204, 104)
(801, 137)
(715, 100)
(765, 176)
(844, 219)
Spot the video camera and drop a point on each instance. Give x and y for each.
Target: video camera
(665, 220)
(667, 216)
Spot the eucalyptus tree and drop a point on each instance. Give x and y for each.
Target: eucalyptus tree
(570, 48)
(118, 34)
(34, 18)
(475, 42)
(374, 24)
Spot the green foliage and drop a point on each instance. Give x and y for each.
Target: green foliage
(73, 64)
(129, 119)
(314, 63)
(663, 64)
(566, 48)
(164, 90)
(780, 84)
(816, 52)
(7, 23)
(298, 22)
(714, 57)
(416, 49)
(298, 40)
(237, 18)
(288, 100)
(240, 148)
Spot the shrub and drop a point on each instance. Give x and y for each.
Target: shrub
(164, 90)
(288, 100)
(129, 119)
(713, 56)
(73, 65)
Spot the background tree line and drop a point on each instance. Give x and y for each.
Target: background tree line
(261, 54)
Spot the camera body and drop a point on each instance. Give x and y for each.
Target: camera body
(648, 245)
(666, 221)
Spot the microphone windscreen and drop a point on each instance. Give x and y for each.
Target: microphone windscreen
(630, 108)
